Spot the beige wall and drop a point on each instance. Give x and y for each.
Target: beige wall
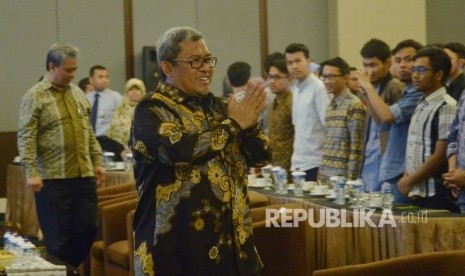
(354, 22)
(446, 21)
(28, 28)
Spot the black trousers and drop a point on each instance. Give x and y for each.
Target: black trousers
(111, 145)
(311, 174)
(67, 213)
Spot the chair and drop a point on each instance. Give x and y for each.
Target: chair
(435, 263)
(115, 237)
(130, 235)
(97, 249)
(281, 249)
(116, 189)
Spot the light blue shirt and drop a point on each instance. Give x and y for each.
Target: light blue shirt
(393, 160)
(309, 103)
(372, 157)
(456, 138)
(108, 101)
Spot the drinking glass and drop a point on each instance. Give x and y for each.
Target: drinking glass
(266, 173)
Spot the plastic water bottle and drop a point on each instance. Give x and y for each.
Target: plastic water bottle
(128, 161)
(275, 171)
(6, 241)
(340, 190)
(387, 196)
(283, 181)
(299, 178)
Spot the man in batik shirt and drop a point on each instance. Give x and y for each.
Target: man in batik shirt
(280, 127)
(344, 125)
(192, 152)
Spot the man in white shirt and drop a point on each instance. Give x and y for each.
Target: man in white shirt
(104, 103)
(309, 103)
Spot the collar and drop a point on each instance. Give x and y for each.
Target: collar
(435, 97)
(46, 84)
(341, 98)
(179, 96)
(382, 85)
(308, 81)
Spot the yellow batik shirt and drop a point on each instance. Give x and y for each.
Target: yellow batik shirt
(281, 130)
(55, 137)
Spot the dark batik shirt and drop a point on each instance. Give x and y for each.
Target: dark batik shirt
(281, 130)
(191, 164)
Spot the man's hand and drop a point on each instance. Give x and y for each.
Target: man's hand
(247, 112)
(455, 178)
(405, 185)
(99, 175)
(34, 183)
(364, 81)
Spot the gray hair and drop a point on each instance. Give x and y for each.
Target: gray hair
(60, 51)
(168, 47)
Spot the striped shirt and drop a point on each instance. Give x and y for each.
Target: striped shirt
(343, 144)
(430, 123)
(55, 137)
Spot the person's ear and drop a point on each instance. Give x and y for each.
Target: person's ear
(438, 76)
(167, 68)
(50, 66)
(346, 78)
(461, 62)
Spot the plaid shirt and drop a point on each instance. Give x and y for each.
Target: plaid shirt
(430, 123)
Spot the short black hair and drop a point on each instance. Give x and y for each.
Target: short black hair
(376, 48)
(83, 83)
(239, 73)
(407, 43)
(277, 60)
(353, 68)
(297, 47)
(337, 62)
(457, 48)
(438, 59)
(94, 68)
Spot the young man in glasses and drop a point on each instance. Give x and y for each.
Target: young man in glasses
(280, 128)
(192, 151)
(395, 118)
(425, 160)
(344, 124)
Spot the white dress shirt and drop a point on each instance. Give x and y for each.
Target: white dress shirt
(309, 103)
(108, 102)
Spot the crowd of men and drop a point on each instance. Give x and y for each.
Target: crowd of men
(397, 119)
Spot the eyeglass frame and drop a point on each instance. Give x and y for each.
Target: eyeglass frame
(330, 76)
(420, 69)
(276, 77)
(204, 61)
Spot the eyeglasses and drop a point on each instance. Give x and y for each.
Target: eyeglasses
(329, 77)
(197, 63)
(276, 77)
(420, 69)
